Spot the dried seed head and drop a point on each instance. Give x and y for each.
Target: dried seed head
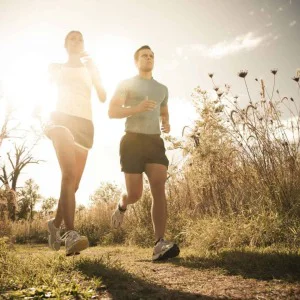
(220, 93)
(243, 73)
(274, 71)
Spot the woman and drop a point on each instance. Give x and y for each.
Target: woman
(71, 131)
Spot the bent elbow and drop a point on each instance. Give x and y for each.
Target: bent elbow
(102, 97)
(111, 114)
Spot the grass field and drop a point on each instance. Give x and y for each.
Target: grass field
(35, 272)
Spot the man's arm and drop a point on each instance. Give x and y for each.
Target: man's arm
(118, 110)
(164, 117)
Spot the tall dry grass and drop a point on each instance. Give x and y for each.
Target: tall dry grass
(239, 184)
(241, 178)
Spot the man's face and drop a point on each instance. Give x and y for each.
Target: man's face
(145, 61)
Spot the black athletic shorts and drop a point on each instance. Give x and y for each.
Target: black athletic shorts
(137, 150)
(81, 129)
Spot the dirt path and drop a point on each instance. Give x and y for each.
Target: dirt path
(128, 273)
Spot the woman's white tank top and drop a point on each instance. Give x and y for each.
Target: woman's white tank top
(74, 86)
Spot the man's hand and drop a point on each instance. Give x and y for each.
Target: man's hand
(146, 105)
(165, 127)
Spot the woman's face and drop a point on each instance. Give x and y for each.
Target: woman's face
(74, 43)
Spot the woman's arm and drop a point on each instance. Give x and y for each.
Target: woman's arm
(96, 79)
(53, 72)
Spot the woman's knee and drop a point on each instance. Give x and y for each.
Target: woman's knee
(69, 177)
(76, 187)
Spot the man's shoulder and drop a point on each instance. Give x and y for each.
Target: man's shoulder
(126, 82)
(160, 84)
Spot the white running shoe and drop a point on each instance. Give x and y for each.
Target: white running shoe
(164, 250)
(54, 239)
(117, 217)
(75, 242)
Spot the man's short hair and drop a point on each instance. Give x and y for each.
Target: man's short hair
(136, 53)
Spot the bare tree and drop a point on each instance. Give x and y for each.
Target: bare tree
(22, 158)
(6, 128)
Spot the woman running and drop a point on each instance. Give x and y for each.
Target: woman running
(71, 131)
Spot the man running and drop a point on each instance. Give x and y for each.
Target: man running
(144, 103)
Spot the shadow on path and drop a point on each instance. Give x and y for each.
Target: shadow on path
(249, 264)
(119, 284)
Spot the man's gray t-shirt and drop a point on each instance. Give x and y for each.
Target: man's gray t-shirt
(135, 90)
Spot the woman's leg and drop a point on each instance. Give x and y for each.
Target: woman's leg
(81, 157)
(66, 154)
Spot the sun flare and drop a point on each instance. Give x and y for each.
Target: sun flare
(27, 86)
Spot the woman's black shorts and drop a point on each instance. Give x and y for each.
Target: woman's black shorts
(81, 129)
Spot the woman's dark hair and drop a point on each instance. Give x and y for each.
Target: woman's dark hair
(68, 35)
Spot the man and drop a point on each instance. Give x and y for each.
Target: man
(144, 102)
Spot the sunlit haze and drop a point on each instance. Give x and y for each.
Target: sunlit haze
(189, 39)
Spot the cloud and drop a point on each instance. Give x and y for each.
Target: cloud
(179, 51)
(171, 65)
(240, 43)
(269, 24)
(293, 23)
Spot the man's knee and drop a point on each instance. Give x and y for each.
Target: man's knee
(158, 184)
(134, 196)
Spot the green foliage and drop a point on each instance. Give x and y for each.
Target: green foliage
(42, 276)
(107, 192)
(48, 205)
(28, 198)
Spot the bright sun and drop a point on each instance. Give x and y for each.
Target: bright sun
(27, 87)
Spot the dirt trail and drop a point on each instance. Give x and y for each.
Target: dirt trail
(129, 273)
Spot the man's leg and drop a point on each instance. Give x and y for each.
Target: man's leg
(163, 249)
(157, 175)
(134, 190)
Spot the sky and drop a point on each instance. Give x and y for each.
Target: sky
(190, 38)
